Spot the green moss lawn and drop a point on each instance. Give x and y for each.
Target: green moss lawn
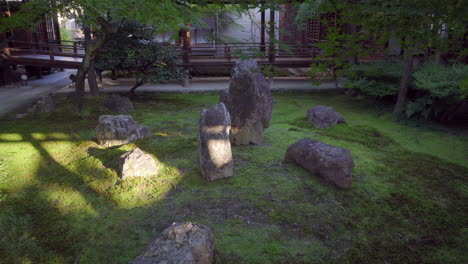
(62, 202)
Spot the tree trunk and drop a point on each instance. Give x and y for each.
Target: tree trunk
(91, 49)
(131, 92)
(405, 81)
(93, 86)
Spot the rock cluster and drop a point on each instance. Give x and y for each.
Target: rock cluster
(332, 163)
(135, 163)
(181, 243)
(214, 147)
(118, 130)
(324, 116)
(249, 103)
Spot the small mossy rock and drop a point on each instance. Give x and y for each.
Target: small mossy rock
(118, 130)
(324, 116)
(214, 147)
(249, 103)
(333, 164)
(44, 105)
(181, 243)
(119, 104)
(135, 163)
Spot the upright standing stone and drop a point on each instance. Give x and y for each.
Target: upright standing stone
(214, 147)
(181, 243)
(249, 102)
(118, 130)
(332, 163)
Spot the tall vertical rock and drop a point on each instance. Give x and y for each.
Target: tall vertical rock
(214, 147)
(249, 103)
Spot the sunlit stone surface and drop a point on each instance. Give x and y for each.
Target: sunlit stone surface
(181, 243)
(135, 163)
(214, 147)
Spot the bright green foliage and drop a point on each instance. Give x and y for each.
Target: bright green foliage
(377, 79)
(61, 200)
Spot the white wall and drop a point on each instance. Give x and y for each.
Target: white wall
(246, 30)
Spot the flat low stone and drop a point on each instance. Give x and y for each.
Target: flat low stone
(181, 243)
(214, 147)
(333, 164)
(324, 116)
(118, 130)
(135, 163)
(119, 104)
(249, 103)
(44, 105)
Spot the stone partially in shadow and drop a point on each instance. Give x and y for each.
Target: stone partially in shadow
(135, 163)
(118, 130)
(249, 103)
(323, 116)
(181, 243)
(332, 163)
(214, 147)
(119, 104)
(45, 104)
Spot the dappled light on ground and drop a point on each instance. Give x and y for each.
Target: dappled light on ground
(62, 201)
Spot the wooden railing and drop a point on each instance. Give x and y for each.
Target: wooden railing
(53, 49)
(232, 51)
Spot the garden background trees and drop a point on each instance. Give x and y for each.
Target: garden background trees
(134, 49)
(420, 24)
(104, 18)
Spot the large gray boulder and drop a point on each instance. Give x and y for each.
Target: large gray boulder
(332, 163)
(119, 104)
(324, 116)
(135, 163)
(181, 243)
(214, 147)
(249, 103)
(118, 130)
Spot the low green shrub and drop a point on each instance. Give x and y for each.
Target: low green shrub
(377, 79)
(438, 90)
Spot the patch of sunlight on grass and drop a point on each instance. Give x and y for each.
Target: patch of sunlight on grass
(11, 137)
(62, 200)
(69, 200)
(139, 191)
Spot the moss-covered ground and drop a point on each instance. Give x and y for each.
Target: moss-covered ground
(61, 200)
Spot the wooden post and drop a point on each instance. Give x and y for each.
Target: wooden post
(185, 45)
(51, 54)
(271, 34)
(75, 49)
(262, 31)
(114, 75)
(58, 39)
